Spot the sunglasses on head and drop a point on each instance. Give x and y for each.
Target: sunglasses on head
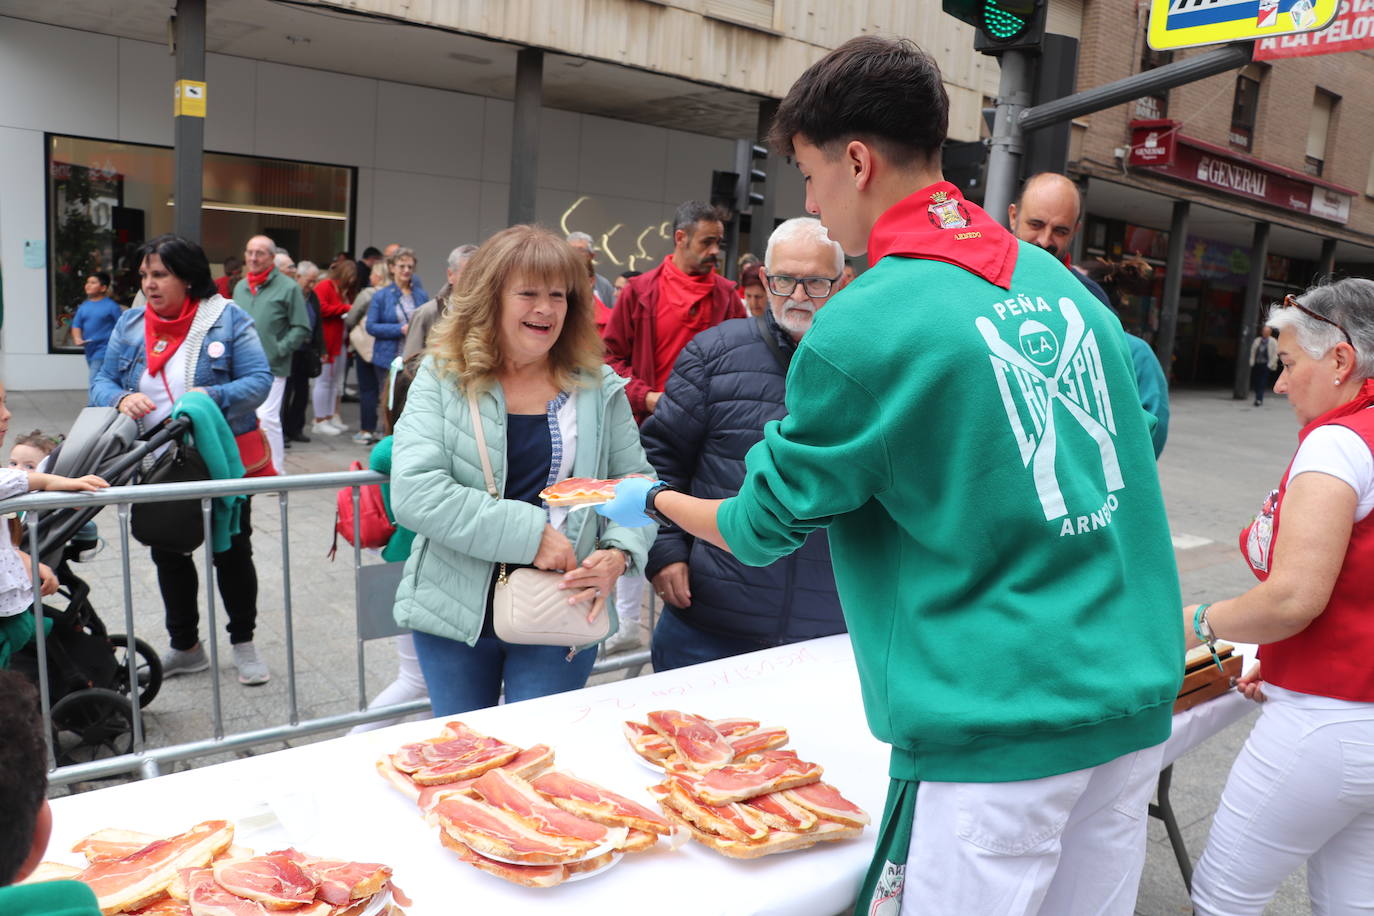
(1289, 302)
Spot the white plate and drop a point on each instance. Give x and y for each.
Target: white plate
(596, 871)
(379, 902)
(591, 854)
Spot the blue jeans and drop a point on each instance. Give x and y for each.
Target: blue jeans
(677, 644)
(462, 677)
(367, 396)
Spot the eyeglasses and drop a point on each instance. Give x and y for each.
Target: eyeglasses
(816, 287)
(1290, 303)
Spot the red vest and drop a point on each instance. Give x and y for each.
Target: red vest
(1331, 657)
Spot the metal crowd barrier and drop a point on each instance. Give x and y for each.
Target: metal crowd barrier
(148, 762)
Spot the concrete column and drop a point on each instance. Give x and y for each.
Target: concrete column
(189, 124)
(1249, 319)
(524, 150)
(1173, 286)
(1326, 263)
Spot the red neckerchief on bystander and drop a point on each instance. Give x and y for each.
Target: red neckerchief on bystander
(163, 336)
(255, 281)
(937, 224)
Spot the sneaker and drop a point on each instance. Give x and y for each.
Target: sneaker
(252, 670)
(363, 438)
(626, 639)
(188, 661)
(337, 424)
(324, 428)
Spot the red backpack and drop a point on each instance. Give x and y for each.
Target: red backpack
(374, 527)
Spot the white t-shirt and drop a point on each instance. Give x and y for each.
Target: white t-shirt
(174, 375)
(1340, 453)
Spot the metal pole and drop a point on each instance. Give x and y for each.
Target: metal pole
(1004, 159)
(1326, 263)
(212, 638)
(524, 150)
(358, 591)
(292, 713)
(132, 657)
(40, 639)
(1249, 320)
(1173, 287)
(189, 120)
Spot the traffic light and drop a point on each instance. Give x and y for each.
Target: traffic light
(746, 154)
(723, 185)
(1002, 25)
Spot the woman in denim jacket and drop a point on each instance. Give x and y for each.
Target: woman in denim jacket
(390, 311)
(142, 375)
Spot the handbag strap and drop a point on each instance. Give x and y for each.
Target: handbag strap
(206, 316)
(767, 334)
(481, 438)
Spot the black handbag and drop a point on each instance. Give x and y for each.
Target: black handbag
(174, 526)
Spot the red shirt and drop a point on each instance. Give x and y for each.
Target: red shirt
(225, 288)
(1331, 657)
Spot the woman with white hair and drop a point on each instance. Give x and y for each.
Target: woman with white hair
(1302, 789)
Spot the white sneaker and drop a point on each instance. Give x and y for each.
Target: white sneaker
(252, 669)
(323, 428)
(334, 422)
(626, 639)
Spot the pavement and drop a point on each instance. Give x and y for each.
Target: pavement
(1223, 456)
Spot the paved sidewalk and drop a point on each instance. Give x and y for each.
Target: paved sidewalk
(1223, 457)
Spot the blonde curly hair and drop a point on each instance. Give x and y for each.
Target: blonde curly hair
(466, 340)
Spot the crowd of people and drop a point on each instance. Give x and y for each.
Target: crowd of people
(787, 474)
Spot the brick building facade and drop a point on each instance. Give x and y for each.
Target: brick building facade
(1293, 131)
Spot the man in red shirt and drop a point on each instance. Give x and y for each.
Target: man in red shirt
(660, 311)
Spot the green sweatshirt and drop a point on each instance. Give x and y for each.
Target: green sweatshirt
(398, 548)
(1009, 583)
(48, 898)
(278, 309)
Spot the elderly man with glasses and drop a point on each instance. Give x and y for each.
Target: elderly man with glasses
(727, 383)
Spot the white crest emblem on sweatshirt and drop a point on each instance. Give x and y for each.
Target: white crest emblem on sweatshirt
(1043, 371)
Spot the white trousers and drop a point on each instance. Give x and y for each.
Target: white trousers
(324, 392)
(269, 417)
(629, 598)
(409, 684)
(1067, 844)
(1302, 790)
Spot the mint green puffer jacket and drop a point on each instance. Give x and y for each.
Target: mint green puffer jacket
(438, 491)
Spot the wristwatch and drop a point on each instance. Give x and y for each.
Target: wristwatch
(649, 498)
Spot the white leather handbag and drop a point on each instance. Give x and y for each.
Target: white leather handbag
(527, 606)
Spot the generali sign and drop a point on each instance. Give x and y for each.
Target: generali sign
(1159, 147)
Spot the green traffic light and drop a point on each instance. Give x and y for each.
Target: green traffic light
(1000, 24)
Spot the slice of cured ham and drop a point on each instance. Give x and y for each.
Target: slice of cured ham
(781, 813)
(581, 491)
(167, 906)
(732, 821)
(595, 803)
(826, 801)
(771, 771)
(495, 833)
(51, 871)
(777, 841)
(693, 738)
(208, 898)
(275, 881)
(112, 843)
(513, 794)
(460, 754)
(753, 742)
(527, 764)
(731, 728)
(121, 885)
(527, 875)
(639, 840)
(648, 743)
(341, 882)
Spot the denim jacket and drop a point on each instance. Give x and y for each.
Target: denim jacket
(236, 377)
(384, 321)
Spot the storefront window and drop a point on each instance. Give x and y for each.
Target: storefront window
(106, 198)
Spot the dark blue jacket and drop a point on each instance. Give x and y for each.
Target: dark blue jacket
(725, 386)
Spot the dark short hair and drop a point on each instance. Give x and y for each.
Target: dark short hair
(631, 274)
(39, 440)
(371, 252)
(692, 212)
(100, 275)
(751, 276)
(23, 771)
(232, 263)
(884, 91)
(185, 259)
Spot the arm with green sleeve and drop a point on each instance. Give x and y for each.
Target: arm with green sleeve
(827, 457)
(1154, 389)
(298, 322)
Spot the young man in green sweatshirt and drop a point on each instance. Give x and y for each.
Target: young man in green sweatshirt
(985, 471)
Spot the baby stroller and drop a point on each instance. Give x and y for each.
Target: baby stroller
(90, 687)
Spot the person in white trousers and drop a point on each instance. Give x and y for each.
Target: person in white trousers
(1302, 789)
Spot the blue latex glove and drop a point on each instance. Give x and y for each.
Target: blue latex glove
(627, 509)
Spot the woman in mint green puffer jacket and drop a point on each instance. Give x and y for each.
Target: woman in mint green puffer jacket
(519, 333)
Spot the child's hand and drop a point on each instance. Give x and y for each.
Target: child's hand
(38, 481)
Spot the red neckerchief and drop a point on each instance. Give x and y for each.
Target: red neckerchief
(937, 224)
(1362, 400)
(255, 281)
(679, 293)
(164, 335)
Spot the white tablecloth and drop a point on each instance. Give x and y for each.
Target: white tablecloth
(327, 799)
(1194, 726)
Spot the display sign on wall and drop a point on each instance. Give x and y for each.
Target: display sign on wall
(1351, 30)
(1188, 23)
(1160, 148)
